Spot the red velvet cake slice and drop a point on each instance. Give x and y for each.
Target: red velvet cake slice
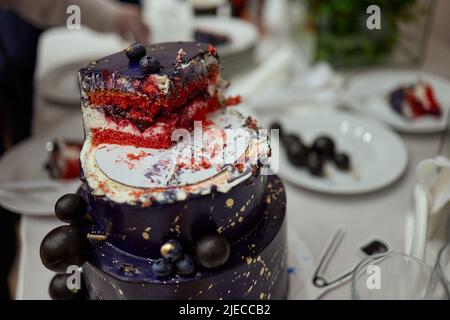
(139, 95)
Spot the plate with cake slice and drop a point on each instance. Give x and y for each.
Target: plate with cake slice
(337, 153)
(409, 101)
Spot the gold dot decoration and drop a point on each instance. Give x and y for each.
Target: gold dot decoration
(166, 248)
(229, 203)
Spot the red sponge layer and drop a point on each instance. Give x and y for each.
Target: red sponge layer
(150, 101)
(158, 141)
(196, 110)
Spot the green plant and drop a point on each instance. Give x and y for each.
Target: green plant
(343, 38)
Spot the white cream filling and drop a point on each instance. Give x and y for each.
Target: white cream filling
(94, 118)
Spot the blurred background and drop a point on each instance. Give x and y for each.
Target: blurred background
(312, 67)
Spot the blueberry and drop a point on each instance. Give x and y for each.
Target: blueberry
(162, 267)
(213, 251)
(70, 208)
(135, 51)
(342, 161)
(185, 265)
(172, 250)
(149, 64)
(325, 146)
(314, 163)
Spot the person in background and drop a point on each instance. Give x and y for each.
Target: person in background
(21, 23)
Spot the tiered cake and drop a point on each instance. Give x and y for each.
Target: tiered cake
(175, 201)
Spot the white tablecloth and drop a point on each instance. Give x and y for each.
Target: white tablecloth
(315, 216)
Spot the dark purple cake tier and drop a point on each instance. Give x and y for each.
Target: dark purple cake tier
(256, 268)
(142, 230)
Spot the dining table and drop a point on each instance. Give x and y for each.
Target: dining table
(313, 216)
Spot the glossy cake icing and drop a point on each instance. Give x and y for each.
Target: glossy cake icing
(136, 205)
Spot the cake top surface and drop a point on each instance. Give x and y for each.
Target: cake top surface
(169, 55)
(139, 175)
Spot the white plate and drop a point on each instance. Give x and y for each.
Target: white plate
(60, 84)
(368, 91)
(243, 35)
(378, 155)
(25, 162)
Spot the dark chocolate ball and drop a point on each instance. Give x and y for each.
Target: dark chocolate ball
(149, 64)
(185, 265)
(70, 208)
(62, 247)
(315, 164)
(325, 146)
(291, 139)
(297, 154)
(213, 251)
(172, 250)
(162, 267)
(58, 289)
(342, 161)
(135, 51)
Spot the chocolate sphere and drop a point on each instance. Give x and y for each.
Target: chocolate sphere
(62, 247)
(58, 289)
(342, 161)
(315, 164)
(213, 251)
(325, 146)
(70, 208)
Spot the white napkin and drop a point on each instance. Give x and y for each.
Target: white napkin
(434, 177)
(320, 85)
(428, 221)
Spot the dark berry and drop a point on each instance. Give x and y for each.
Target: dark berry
(185, 265)
(62, 247)
(213, 251)
(149, 64)
(172, 250)
(277, 126)
(162, 267)
(58, 289)
(314, 164)
(70, 208)
(342, 161)
(291, 139)
(135, 51)
(297, 154)
(324, 146)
